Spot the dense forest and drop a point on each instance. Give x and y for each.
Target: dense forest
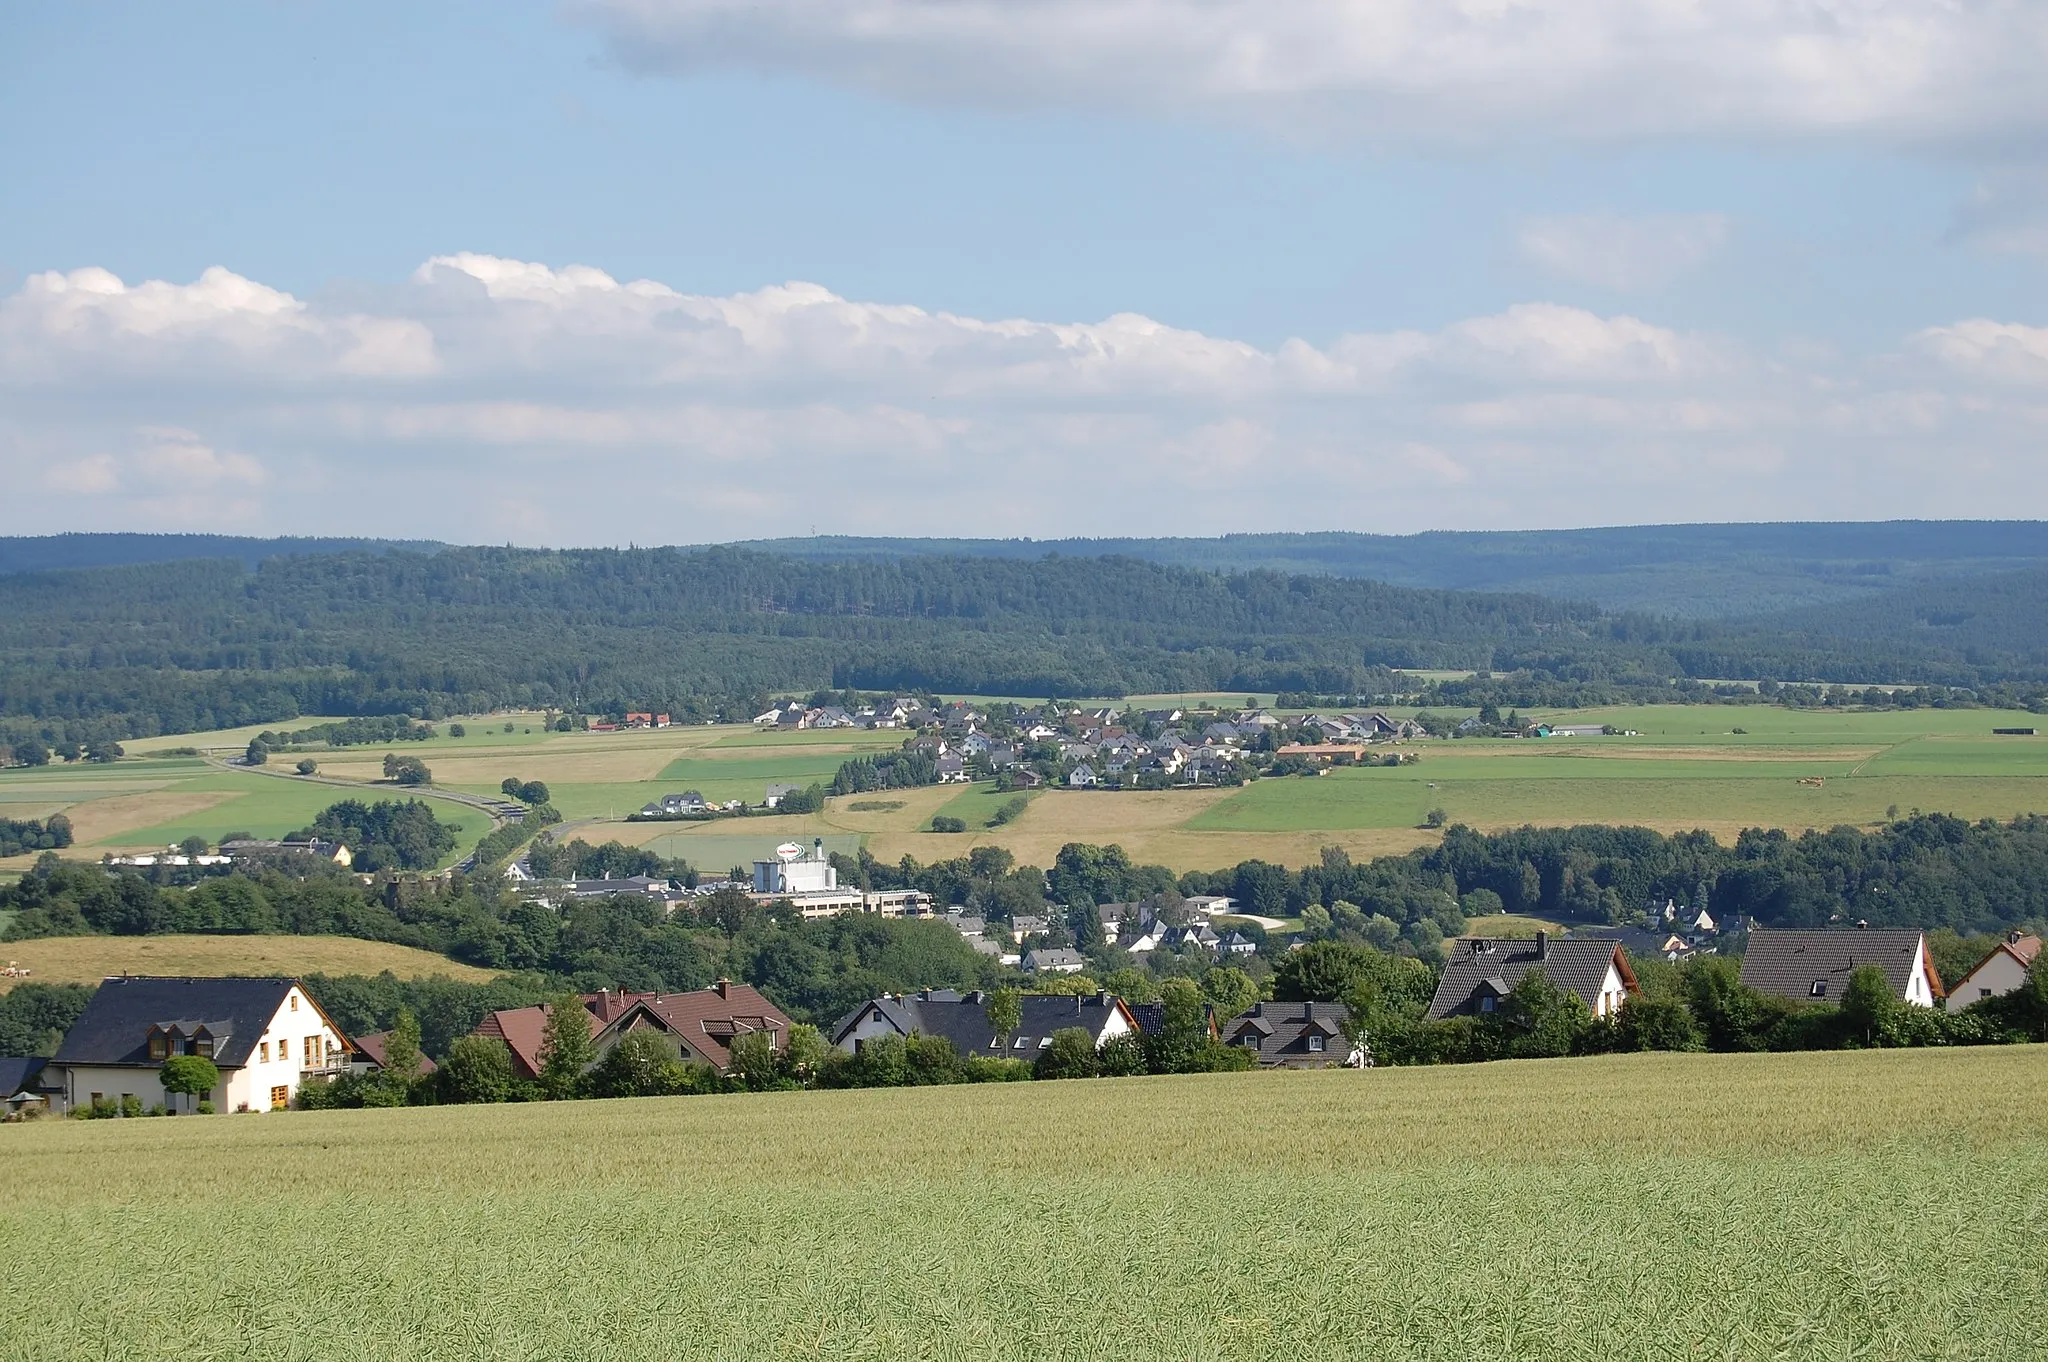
(133, 651)
(1691, 571)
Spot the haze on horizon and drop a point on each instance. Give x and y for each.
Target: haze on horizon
(679, 271)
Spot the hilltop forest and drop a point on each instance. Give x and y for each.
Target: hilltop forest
(134, 650)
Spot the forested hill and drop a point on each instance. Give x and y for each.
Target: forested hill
(199, 643)
(209, 643)
(38, 553)
(1690, 571)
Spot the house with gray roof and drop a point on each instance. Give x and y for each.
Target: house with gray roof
(1483, 970)
(1814, 966)
(1292, 1035)
(1054, 960)
(266, 1036)
(963, 1020)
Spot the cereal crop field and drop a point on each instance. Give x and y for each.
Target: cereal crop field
(1671, 1206)
(89, 959)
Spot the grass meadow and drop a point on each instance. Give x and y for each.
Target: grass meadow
(1643, 1207)
(89, 959)
(1686, 768)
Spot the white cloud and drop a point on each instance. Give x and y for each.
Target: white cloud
(1623, 253)
(516, 400)
(1910, 70)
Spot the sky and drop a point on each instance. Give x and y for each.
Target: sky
(678, 271)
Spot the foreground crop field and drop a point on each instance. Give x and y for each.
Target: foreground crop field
(89, 959)
(1686, 767)
(1644, 1207)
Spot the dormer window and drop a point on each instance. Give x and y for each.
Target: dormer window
(203, 1047)
(1315, 1042)
(159, 1045)
(1486, 1004)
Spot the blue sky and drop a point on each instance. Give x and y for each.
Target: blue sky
(1598, 268)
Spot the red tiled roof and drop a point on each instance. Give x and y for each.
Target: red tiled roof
(372, 1047)
(706, 1020)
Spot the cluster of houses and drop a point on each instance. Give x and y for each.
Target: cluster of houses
(241, 851)
(267, 1037)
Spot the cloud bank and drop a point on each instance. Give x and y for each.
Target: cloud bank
(494, 399)
(1910, 71)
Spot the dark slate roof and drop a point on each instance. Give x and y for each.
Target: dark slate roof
(1279, 1033)
(964, 1020)
(114, 1028)
(17, 1074)
(1789, 963)
(1479, 965)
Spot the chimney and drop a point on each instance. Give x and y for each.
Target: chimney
(1543, 945)
(1102, 998)
(2013, 938)
(722, 988)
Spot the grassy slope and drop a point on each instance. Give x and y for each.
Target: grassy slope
(1669, 1206)
(89, 959)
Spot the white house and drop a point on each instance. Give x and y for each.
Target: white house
(266, 1036)
(1082, 776)
(1998, 973)
(1815, 966)
(1054, 960)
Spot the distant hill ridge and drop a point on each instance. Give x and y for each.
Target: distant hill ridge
(1733, 571)
(56, 552)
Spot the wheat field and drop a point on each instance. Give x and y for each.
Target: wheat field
(1882, 1205)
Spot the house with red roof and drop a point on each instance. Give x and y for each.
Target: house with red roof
(1998, 973)
(699, 1026)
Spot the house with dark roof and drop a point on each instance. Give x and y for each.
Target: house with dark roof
(963, 1020)
(699, 1027)
(1483, 970)
(1814, 966)
(266, 1036)
(20, 1084)
(1293, 1035)
(1998, 973)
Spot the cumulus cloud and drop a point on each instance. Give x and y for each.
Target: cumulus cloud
(493, 399)
(1623, 253)
(1910, 70)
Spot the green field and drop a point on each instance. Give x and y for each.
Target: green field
(1723, 1206)
(1686, 768)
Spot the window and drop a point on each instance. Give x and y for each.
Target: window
(309, 1055)
(1045, 1042)
(1020, 1042)
(1486, 1003)
(1249, 1040)
(280, 1097)
(284, 1049)
(295, 1002)
(203, 1047)
(1315, 1042)
(159, 1046)
(1983, 993)
(1819, 989)
(263, 1052)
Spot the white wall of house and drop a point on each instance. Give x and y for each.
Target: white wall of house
(1994, 978)
(1919, 984)
(1613, 993)
(868, 1027)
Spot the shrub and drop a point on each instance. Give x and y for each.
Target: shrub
(947, 823)
(477, 1069)
(307, 766)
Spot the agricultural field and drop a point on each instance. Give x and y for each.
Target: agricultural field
(148, 803)
(1686, 767)
(89, 959)
(1726, 1206)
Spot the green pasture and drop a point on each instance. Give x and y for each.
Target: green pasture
(1767, 725)
(976, 804)
(1655, 1206)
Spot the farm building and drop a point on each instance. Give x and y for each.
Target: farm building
(1482, 971)
(1814, 966)
(266, 1036)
